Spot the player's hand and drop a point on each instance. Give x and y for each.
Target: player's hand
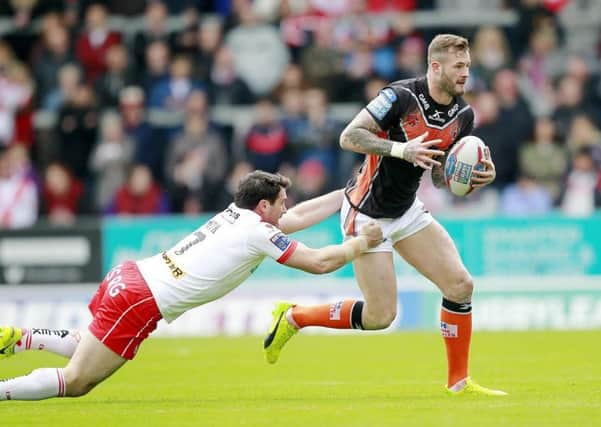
(486, 176)
(373, 233)
(419, 152)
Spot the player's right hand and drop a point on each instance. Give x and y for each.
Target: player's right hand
(373, 233)
(420, 152)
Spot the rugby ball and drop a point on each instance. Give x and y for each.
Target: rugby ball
(463, 158)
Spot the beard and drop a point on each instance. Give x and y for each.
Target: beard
(449, 86)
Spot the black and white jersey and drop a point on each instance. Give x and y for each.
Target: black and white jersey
(385, 187)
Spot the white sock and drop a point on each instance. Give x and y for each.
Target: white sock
(39, 384)
(58, 341)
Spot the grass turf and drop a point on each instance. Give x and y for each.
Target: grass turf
(554, 379)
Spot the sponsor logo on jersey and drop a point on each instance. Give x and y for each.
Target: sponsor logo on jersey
(212, 226)
(230, 215)
(176, 272)
(389, 93)
(424, 101)
(448, 330)
(379, 106)
(436, 116)
(281, 241)
(199, 236)
(453, 110)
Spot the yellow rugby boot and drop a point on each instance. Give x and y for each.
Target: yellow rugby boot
(472, 388)
(9, 336)
(279, 333)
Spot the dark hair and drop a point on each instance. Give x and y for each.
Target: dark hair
(259, 185)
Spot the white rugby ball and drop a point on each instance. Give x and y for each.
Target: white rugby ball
(464, 157)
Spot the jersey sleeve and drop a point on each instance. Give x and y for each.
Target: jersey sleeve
(271, 241)
(388, 107)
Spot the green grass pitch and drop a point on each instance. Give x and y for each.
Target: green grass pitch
(554, 379)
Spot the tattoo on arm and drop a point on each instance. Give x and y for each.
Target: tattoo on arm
(438, 173)
(361, 136)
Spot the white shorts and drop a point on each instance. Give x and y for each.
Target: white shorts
(394, 229)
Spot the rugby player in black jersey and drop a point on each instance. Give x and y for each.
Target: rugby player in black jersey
(405, 130)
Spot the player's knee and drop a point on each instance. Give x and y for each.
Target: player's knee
(77, 384)
(380, 319)
(461, 289)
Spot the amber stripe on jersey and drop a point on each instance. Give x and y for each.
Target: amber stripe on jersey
(360, 190)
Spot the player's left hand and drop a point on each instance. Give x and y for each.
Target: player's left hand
(481, 178)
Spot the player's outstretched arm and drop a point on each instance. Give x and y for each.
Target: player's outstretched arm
(330, 258)
(311, 212)
(361, 136)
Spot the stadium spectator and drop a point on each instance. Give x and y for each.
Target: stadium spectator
(582, 190)
(208, 44)
(94, 42)
(322, 64)
(149, 142)
(225, 87)
(570, 103)
(260, 56)
(491, 54)
(62, 195)
(69, 79)
(196, 165)
(319, 138)
(545, 158)
(386, 185)
(139, 195)
(497, 135)
(538, 66)
(118, 75)
(55, 53)
(524, 198)
(409, 59)
(224, 197)
(202, 267)
(266, 141)
(513, 109)
(77, 129)
(311, 181)
(110, 160)
(16, 90)
(18, 190)
(171, 94)
(155, 29)
(156, 66)
(293, 116)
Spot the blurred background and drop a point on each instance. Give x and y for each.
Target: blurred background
(124, 124)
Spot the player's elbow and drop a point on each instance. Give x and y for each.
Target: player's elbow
(344, 139)
(322, 267)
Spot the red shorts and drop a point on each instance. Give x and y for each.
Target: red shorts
(124, 310)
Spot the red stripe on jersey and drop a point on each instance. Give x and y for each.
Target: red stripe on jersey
(288, 252)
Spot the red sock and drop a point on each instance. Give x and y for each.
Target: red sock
(340, 315)
(456, 328)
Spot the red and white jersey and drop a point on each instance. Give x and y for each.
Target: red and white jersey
(213, 260)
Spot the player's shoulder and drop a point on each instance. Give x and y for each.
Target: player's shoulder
(463, 108)
(412, 85)
(266, 230)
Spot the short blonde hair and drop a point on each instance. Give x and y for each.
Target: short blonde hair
(445, 43)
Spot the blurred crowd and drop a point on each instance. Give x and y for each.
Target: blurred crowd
(107, 108)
